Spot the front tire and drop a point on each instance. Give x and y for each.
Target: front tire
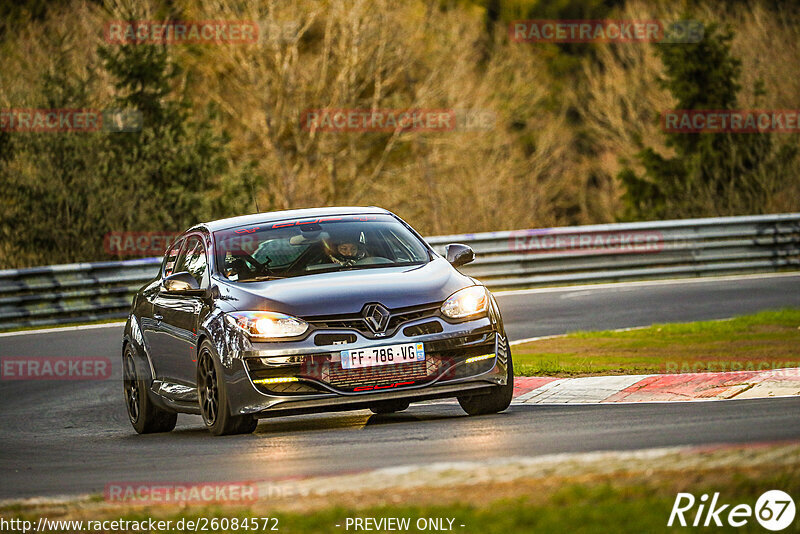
(496, 401)
(146, 417)
(213, 397)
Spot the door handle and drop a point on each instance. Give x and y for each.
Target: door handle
(157, 316)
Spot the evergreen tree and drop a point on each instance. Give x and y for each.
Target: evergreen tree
(47, 208)
(710, 174)
(170, 171)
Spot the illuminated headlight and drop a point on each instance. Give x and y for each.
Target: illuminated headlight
(269, 325)
(466, 302)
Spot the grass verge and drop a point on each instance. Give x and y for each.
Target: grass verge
(635, 496)
(764, 340)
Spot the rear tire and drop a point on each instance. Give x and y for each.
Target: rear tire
(213, 397)
(146, 417)
(392, 406)
(494, 402)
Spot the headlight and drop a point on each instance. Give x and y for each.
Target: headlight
(269, 325)
(466, 302)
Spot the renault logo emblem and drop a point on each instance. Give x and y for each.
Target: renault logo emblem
(377, 317)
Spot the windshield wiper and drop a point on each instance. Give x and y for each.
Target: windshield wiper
(261, 278)
(340, 268)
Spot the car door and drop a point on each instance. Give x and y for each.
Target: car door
(179, 316)
(151, 322)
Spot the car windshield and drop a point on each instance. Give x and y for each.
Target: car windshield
(316, 245)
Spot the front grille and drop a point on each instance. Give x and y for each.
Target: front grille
(411, 315)
(352, 323)
(355, 321)
(431, 327)
(334, 339)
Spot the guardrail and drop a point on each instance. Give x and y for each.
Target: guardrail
(81, 292)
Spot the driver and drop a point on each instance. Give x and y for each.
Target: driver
(346, 250)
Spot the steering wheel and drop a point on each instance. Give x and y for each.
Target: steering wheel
(258, 267)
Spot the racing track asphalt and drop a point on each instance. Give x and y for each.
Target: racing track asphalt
(62, 438)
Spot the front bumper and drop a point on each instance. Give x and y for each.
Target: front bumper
(318, 382)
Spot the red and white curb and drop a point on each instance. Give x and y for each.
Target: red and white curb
(657, 388)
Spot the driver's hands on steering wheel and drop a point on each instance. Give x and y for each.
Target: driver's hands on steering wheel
(246, 266)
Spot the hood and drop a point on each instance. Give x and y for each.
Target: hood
(347, 292)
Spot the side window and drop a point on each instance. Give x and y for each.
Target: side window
(193, 259)
(171, 257)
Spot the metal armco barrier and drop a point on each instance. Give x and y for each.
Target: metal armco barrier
(80, 292)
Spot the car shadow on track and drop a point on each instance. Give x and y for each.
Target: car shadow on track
(327, 421)
(352, 420)
(190, 427)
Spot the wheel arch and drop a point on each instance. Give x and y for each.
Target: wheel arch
(132, 335)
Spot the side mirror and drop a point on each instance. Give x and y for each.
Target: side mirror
(182, 284)
(458, 254)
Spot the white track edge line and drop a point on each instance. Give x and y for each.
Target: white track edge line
(636, 283)
(614, 403)
(61, 329)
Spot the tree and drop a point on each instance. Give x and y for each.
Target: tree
(46, 209)
(169, 172)
(64, 191)
(710, 174)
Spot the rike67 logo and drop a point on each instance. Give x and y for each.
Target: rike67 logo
(774, 510)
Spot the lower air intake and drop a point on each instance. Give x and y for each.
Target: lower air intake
(375, 376)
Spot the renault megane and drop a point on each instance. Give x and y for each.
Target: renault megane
(306, 311)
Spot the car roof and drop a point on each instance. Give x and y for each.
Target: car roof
(273, 216)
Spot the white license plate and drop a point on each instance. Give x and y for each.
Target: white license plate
(385, 355)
